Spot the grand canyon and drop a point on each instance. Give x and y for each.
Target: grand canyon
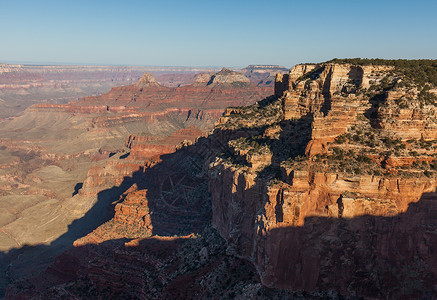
(257, 183)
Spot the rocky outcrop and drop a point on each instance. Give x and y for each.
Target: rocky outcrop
(223, 77)
(226, 76)
(335, 94)
(263, 75)
(132, 219)
(338, 193)
(147, 80)
(203, 79)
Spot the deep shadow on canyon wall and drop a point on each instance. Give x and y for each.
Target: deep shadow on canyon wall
(29, 260)
(370, 256)
(177, 196)
(179, 204)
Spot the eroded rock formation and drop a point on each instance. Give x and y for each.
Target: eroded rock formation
(24, 85)
(329, 185)
(327, 189)
(263, 74)
(65, 164)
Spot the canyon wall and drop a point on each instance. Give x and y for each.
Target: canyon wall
(334, 186)
(326, 188)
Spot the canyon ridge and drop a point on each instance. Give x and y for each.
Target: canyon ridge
(324, 187)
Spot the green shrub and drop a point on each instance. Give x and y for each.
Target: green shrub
(341, 139)
(363, 158)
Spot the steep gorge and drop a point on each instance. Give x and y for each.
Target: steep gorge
(328, 187)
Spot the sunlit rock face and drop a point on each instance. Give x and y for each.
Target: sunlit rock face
(334, 186)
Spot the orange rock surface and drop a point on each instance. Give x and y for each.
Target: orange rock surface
(340, 203)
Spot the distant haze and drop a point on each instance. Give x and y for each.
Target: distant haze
(214, 33)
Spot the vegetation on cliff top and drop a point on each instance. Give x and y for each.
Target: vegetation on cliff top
(420, 74)
(263, 113)
(421, 71)
(365, 149)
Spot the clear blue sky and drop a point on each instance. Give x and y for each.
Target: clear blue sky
(214, 33)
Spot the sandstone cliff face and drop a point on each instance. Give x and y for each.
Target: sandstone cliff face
(308, 236)
(335, 94)
(346, 184)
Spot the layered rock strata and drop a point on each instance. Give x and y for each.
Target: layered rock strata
(224, 76)
(149, 101)
(334, 185)
(64, 167)
(311, 186)
(263, 75)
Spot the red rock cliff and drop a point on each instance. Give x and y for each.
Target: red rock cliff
(324, 191)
